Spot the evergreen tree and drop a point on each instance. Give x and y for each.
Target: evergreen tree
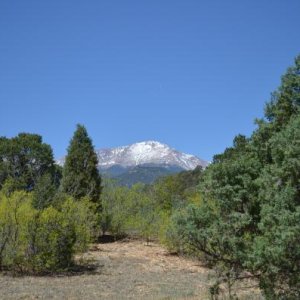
(285, 101)
(80, 174)
(250, 214)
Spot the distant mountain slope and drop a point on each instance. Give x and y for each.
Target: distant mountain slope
(143, 162)
(141, 173)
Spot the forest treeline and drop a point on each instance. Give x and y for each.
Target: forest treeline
(241, 215)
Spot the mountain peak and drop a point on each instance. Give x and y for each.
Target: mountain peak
(147, 152)
(151, 142)
(148, 143)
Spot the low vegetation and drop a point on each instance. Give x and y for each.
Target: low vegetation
(125, 269)
(39, 241)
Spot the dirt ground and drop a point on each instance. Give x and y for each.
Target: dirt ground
(121, 270)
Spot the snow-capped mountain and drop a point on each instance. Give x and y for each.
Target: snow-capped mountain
(147, 152)
(143, 162)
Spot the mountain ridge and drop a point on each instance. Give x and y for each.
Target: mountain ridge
(143, 153)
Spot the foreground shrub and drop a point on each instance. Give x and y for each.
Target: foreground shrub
(42, 240)
(51, 242)
(16, 214)
(82, 217)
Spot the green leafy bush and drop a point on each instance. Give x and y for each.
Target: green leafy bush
(248, 223)
(52, 241)
(45, 240)
(16, 214)
(81, 216)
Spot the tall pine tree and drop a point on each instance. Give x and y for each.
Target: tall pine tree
(80, 174)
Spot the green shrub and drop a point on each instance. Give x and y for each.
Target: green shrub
(15, 216)
(83, 219)
(115, 209)
(54, 240)
(46, 240)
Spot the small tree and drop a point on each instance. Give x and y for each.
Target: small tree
(80, 174)
(24, 159)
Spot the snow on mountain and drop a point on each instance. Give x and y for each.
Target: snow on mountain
(143, 153)
(147, 152)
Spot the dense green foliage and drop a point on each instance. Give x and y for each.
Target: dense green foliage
(41, 228)
(145, 210)
(80, 174)
(24, 160)
(249, 221)
(42, 240)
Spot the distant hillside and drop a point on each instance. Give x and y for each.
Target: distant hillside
(141, 173)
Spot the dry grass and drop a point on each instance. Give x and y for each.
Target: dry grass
(122, 270)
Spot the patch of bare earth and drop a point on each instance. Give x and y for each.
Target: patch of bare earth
(122, 270)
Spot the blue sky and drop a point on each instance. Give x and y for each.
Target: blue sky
(191, 74)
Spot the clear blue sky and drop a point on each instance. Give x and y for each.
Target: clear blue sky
(191, 74)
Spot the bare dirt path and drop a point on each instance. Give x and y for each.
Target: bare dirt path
(124, 270)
